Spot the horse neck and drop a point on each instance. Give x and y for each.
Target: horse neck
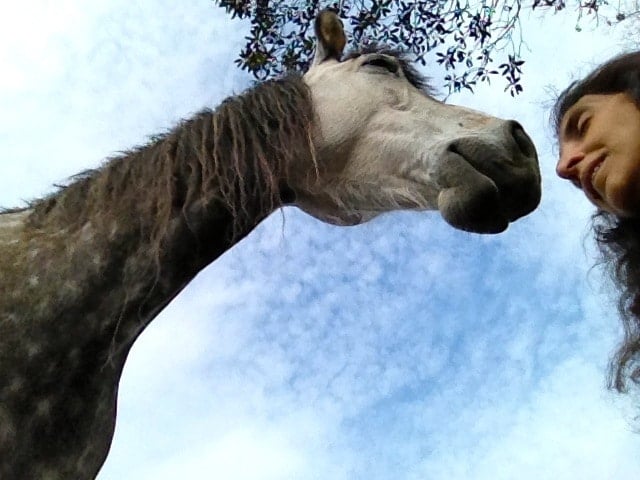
(85, 270)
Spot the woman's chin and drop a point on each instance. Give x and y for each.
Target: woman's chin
(621, 204)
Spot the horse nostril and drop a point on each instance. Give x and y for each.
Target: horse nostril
(453, 148)
(525, 145)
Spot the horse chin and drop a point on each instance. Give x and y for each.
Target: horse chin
(475, 225)
(473, 210)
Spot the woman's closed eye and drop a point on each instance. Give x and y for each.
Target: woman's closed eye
(583, 124)
(575, 125)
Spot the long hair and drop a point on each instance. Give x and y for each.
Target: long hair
(618, 239)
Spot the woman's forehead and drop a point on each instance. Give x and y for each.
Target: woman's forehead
(587, 102)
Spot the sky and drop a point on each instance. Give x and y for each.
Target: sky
(400, 348)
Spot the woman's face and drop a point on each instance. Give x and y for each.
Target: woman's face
(599, 140)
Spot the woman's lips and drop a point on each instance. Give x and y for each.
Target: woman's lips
(587, 179)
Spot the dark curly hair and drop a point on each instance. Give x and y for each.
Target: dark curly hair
(618, 239)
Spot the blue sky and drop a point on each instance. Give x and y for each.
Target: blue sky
(397, 349)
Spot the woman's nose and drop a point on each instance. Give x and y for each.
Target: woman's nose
(569, 160)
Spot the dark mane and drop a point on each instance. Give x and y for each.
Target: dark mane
(230, 159)
(415, 78)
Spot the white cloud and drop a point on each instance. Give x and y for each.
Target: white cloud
(241, 454)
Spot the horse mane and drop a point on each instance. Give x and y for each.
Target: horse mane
(233, 157)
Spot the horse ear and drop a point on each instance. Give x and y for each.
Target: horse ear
(330, 37)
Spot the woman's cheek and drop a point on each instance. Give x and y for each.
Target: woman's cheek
(622, 193)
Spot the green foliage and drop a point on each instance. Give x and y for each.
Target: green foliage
(464, 37)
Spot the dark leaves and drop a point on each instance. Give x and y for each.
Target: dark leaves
(463, 37)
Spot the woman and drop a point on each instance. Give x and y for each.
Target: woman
(597, 121)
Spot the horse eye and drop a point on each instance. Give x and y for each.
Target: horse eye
(382, 62)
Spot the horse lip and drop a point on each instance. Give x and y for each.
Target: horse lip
(528, 189)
